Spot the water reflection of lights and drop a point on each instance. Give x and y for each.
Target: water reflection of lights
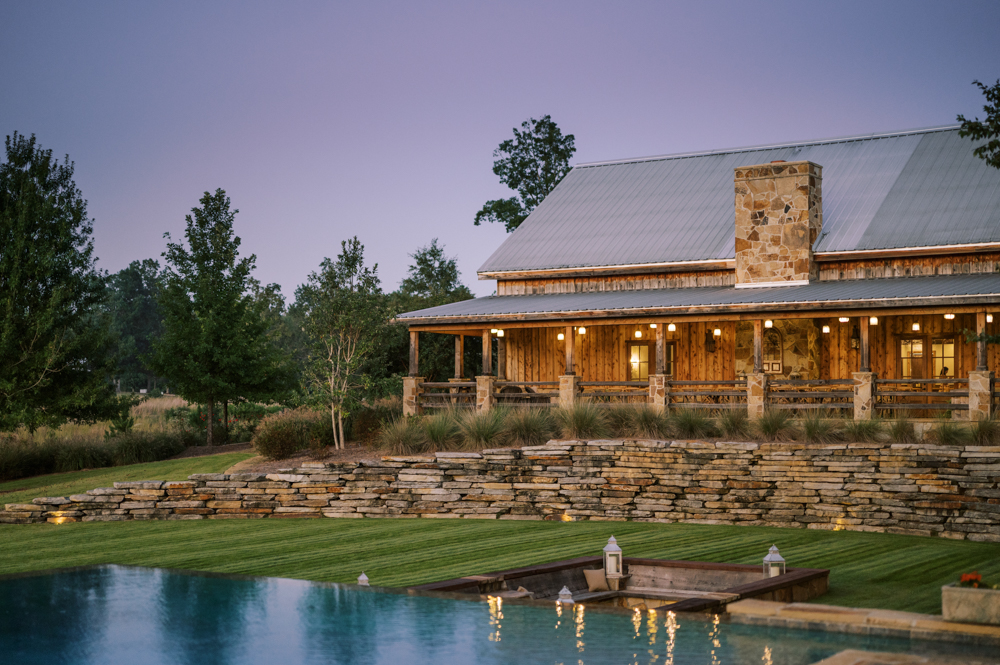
(578, 619)
(714, 635)
(671, 625)
(636, 621)
(496, 616)
(766, 659)
(558, 614)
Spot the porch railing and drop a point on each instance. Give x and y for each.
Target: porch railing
(708, 394)
(526, 393)
(922, 394)
(447, 395)
(810, 394)
(607, 393)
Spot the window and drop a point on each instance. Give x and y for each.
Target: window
(638, 360)
(668, 358)
(943, 351)
(772, 351)
(911, 358)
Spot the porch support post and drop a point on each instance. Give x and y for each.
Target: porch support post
(484, 391)
(756, 393)
(459, 356)
(659, 392)
(414, 352)
(570, 344)
(758, 346)
(411, 395)
(980, 395)
(568, 390)
(661, 349)
(865, 354)
(501, 358)
(864, 395)
(487, 352)
(981, 357)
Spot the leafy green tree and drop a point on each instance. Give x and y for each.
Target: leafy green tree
(987, 129)
(135, 320)
(215, 345)
(532, 164)
(345, 314)
(55, 361)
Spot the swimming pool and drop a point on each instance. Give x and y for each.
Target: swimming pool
(116, 614)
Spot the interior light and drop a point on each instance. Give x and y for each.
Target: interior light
(582, 330)
(500, 332)
(653, 326)
(826, 330)
(916, 327)
(844, 319)
(672, 328)
(560, 337)
(717, 332)
(949, 316)
(638, 333)
(769, 323)
(873, 320)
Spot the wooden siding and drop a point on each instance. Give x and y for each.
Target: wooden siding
(914, 266)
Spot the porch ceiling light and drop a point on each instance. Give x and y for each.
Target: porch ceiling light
(826, 330)
(844, 319)
(717, 332)
(582, 330)
(653, 326)
(949, 316)
(769, 323)
(560, 337)
(493, 331)
(673, 328)
(638, 333)
(873, 320)
(916, 327)
(774, 564)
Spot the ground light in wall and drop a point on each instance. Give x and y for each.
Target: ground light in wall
(774, 564)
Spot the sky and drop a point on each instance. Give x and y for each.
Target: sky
(326, 120)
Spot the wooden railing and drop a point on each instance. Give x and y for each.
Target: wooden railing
(447, 395)
(607, 393)
(810, 394)
(922, 394)
(708, 394)
(527, 393)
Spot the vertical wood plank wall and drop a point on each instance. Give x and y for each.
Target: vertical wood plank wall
(535, 354)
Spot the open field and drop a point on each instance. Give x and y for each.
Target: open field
(868, 569)
(78, 482)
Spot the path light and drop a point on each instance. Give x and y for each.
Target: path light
(774, 565)
(949, 316)
(826, 330)
(638, 334)
(844, 319)
(673, 328)
(873, 320)
(612, 563)
(769, 323)
(560, 337)
(565, 596)
(916, 327)
(363, 579)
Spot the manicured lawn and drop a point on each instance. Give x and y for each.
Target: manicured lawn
(78, 482)
(868, 569)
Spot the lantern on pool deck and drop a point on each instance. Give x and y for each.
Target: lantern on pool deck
(774, 565)
(363, 579)
(612, 561)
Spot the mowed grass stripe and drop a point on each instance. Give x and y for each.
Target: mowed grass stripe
(867, 569)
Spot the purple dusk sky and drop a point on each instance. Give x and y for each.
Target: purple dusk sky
(378, 119)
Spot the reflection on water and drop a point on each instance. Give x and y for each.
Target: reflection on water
(131, 615)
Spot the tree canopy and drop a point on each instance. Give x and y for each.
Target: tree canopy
(532, 164)
(135, 320)
(988, 129)
(54, 349)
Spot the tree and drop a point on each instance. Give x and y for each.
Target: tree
(989, 128)
(532, 164)
(55, 360)
(433, 278)
(345, 313)
(135, 320)
(215, 344)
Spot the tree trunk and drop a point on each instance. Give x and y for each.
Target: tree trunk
(333, 423)
(340, 422)
(211, 417)
(225, 418)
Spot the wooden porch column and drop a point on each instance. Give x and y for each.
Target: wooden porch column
(570, 341)
(758, 346)
(414, 352)
(981, 355)
(661, 363)
(487, 352)
(459, 356)
(865, 354)
(501, 358)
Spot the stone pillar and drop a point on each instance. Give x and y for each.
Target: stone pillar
(485, 387)
(980, 395)
(568, 390)
(659, 392)
(864, 395)
(411, 395)
(756, 394)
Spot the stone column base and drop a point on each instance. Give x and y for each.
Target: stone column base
(411, 395)
(756, 394)
(659, 392)
(484, 392)
(568, 390)
(864, 395)
(980, 395)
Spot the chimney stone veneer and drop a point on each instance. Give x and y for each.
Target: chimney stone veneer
(779, 216)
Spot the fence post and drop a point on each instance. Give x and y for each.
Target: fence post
(864, 395)
(659, 392)
(568, 387)
(485, 386)
(980, 395)
(455, 391)
(411, 395)
(756, 394)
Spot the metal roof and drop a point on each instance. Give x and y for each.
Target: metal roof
(884, 191)
(864, 293)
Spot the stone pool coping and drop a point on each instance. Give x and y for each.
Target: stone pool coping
(860, 620)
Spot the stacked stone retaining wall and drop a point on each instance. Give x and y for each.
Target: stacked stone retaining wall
(920, 489)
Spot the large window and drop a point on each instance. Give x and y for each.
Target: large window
(912, 357)
(638, 361)
(943, 351)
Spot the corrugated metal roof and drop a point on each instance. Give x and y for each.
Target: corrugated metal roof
(906, 189)
(898, 292)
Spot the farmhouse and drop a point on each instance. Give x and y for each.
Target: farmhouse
(840, 274)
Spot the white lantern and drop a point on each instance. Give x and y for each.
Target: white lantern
(612, 559)
(565, 596)
(769, 323)
(363, 579)
(774, 565)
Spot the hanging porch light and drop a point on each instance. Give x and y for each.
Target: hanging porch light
(826, 330)
(653, 326)
(717, 332)
(989, 318)
(673, 328)
(915, 327)
(768, 323)
(949, 316)
(844, 319)
(638, 334)
(873, 320)
(560, 337)
(500, 332)
(582, 330)
(774, 564)
(493, 331)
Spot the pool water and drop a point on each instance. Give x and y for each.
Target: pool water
(115, 614)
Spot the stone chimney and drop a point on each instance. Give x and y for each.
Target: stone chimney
(779, 216)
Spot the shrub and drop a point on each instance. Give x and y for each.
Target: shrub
(366, 421)
(818, 429)
(85, 455)
(21, 457)
(901, 431)
(735, 424)
(864, 431)
(530, 427)
(483, 429)
(774, 425)
(139, 447)
(282, 434)
(692, 423)
(402, 436)
(985, 432)
(582, 421)
(442, 431)
(949, 433)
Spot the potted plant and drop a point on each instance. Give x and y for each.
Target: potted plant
(970, 600)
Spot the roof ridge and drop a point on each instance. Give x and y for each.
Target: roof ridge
(771, 146)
